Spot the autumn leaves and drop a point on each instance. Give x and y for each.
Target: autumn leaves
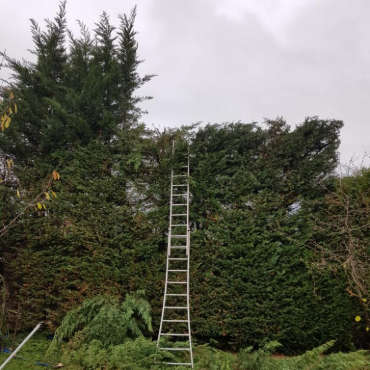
(8, 109)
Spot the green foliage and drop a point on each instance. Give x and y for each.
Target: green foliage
(262, 359)
(311, 358)
(249, 244)
(137, 354)
(342, 361)
(141, 354)
(104, 321)
(74, 119)
(207, 358)
(255, 193)
(340, 235)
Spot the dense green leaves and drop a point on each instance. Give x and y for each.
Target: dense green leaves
(250, 236)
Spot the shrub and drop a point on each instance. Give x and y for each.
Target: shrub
(104, 320)
(207, 358)
(137, 354)
(310, 360)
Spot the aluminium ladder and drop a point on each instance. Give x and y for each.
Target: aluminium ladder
(175, 319)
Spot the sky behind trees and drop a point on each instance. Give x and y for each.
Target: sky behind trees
(231, 60)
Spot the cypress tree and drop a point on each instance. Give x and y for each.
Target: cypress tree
(79, 116)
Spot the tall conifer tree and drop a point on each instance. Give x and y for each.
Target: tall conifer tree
(77, 109)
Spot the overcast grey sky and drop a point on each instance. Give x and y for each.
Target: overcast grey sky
(230, 60)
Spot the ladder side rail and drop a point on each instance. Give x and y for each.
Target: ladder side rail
(187, 210)
(164, 303)
(170, 222)
(188, 265)
(188, 311)
(167, 260)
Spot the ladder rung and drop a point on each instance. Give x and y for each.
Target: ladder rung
(178, 225)
(176, 308)
(180, 204)
(178, 258)
(177, 270)
(180, 176)
(175, 320)
(176, 349)
(177, 282)
(184, 166)
(175, 334)
(179, 363)
(180, 214)
(178, 247)
(179, 195)
(179, 185)
(179, 236)
(177, 295)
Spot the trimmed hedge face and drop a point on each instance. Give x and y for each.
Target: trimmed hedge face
(251, 278)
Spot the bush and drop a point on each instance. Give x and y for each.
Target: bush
(260, 359)
(311, 360)
(137, 354)
(212, 359)
(103, 322)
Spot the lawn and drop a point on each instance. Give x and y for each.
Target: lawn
(33, 351)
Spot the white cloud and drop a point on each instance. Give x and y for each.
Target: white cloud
(274, 15)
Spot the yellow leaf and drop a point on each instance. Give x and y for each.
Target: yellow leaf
(47, 196)
(10, 163)
(7, 122)
(43, 205)
(15, 108)
(10, 110)
(367, 328)
(364, 299)
(39, 206)
(357, 318)
(18, 194)
(54, 195)
(11, 95)
(1, 180)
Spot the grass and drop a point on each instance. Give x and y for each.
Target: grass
(33, 351)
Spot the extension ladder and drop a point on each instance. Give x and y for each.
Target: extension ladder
(175, 319)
